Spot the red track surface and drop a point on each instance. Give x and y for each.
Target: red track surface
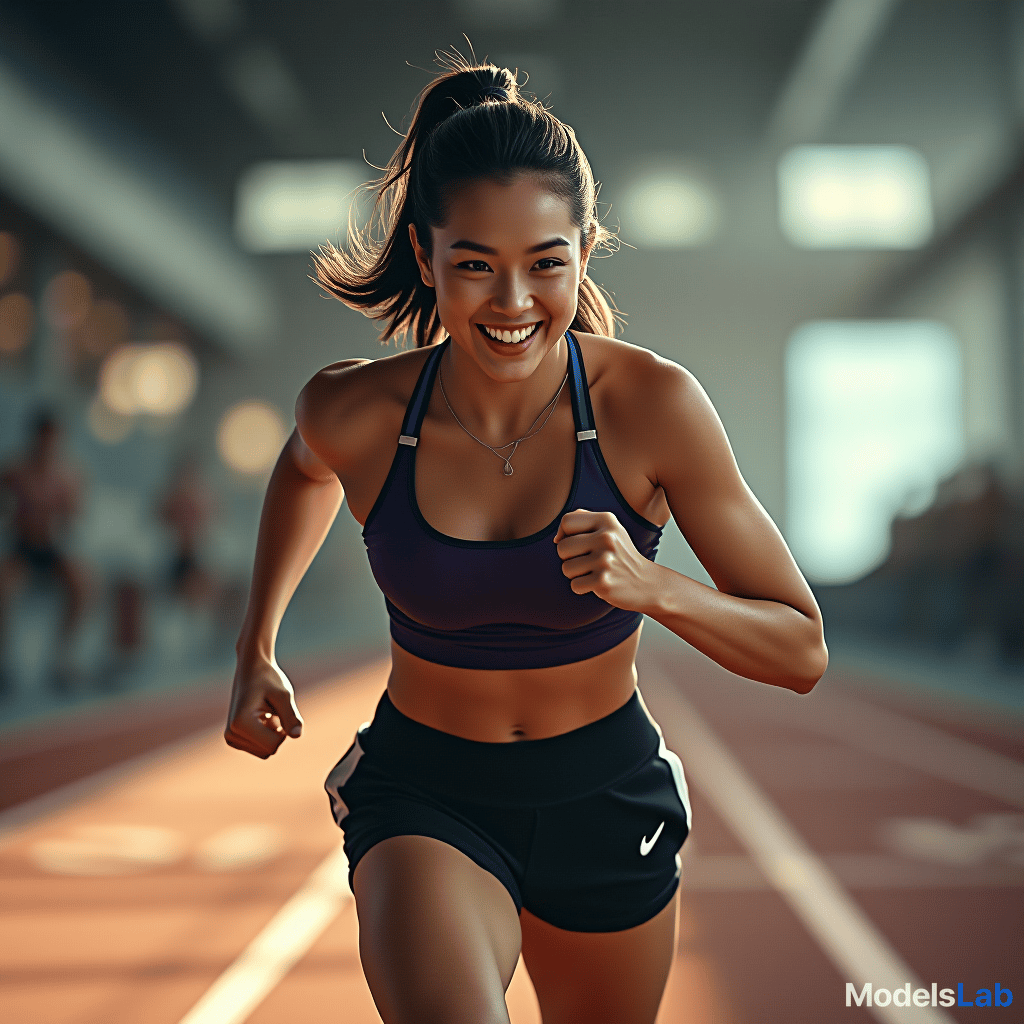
(122, 924)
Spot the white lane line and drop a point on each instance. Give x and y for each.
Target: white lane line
(897, 738)
(843, 931)
(281, 944)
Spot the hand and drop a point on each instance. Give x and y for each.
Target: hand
(263, 711)
(599, 558)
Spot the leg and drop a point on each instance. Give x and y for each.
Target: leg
(12, 576)
(439, 937)
(75, 581)
(597, 977)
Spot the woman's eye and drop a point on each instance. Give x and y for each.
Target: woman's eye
(477, 265)
(548, 263)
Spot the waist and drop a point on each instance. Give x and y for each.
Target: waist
(568, 765)
(505, 705)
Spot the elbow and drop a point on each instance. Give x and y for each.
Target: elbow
(816, 663)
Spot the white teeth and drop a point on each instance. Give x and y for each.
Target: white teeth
(510, 337)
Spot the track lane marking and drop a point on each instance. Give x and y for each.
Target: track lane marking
(284, 940)
(847, 936)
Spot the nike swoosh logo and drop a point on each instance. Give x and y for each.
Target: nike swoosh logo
(646, 845)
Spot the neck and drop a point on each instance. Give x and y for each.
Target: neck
(499, 411)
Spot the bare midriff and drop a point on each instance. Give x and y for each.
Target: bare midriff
(506, 705)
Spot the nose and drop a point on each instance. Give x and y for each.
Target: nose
(511, 294)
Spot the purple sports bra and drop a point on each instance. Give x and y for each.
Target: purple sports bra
(495, 604)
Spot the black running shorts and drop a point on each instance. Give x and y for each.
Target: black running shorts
(583, 829)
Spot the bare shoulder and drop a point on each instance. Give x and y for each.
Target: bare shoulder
(349, 406)
(626, 364)
(641, 390)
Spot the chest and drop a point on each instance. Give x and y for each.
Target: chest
(461, 489)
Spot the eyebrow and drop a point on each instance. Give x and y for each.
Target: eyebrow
(462, 243)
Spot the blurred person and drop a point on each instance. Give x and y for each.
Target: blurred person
(512, 792)
(46, 496)
(187, 508)
(127, 632)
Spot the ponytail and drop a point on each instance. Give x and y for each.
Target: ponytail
(470, 123)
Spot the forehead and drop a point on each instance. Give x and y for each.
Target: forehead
(502, 215)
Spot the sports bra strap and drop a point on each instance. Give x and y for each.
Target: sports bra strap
(417, 408)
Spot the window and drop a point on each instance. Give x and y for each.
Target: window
(873, 421)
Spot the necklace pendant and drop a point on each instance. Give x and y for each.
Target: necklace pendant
(508, 469)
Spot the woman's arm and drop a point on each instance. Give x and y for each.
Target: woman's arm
(302, 500)
(762, 622)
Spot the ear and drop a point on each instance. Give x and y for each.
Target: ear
(588, 248)
(422, 260)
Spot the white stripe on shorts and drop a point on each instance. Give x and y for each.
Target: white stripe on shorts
(342, 772)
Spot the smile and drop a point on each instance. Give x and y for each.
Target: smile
(511, 337)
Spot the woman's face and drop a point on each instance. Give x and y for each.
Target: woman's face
(507, 260)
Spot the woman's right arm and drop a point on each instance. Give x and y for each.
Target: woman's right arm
(302, 500)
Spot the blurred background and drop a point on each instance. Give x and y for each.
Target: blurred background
(821, 211)
(822, 217)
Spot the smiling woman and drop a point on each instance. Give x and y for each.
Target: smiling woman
(512, 792)
(470, 125)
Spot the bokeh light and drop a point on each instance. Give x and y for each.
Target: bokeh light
(10, 251)
(159, 380)
(166, 377)
(17, 318)
(106, 425)
(250, 437)
(67, 300)
(855, 197)
(291, 206)
(670, 208)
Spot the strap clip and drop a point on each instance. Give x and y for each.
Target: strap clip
(586, 435)
(409, 440)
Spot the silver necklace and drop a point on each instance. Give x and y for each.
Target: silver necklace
(514, 444)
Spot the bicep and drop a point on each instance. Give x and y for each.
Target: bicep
(723, 522)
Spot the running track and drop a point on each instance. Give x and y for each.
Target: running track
(857, 834)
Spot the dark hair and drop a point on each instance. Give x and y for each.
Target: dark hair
(470, 123)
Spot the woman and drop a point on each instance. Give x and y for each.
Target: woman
(512, 792)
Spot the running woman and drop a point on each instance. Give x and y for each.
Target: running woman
(512, 474)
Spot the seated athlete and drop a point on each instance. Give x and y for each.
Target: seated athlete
(513, 474)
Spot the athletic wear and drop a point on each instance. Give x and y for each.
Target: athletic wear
(583, 829)
(495, 604)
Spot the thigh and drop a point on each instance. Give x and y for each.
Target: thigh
(596, 977)
(439, 937)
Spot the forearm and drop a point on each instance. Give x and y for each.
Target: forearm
(297, 515)
(767, 641)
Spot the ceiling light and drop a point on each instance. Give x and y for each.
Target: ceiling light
(292, 206)
(855, 197)
(669, 208)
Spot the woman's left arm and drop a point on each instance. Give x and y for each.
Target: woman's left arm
(762, 622)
